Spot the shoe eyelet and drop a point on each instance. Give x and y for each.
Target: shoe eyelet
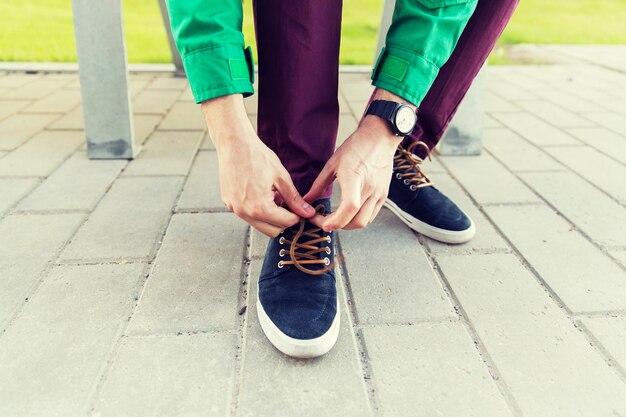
(398, 175)
(413, 188)
(281, 240)
(281, 253)
(280, 264)
(406, 182)
(326, 261)
(327, 250)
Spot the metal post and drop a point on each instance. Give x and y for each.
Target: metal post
(104, 79)
(385, 22)
(178, 62)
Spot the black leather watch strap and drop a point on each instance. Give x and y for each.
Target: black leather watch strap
(383, 109)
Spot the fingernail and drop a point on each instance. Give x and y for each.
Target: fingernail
(308, 207)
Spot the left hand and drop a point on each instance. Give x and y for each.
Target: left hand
(363, 166)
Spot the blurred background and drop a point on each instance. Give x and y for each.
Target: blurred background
(42, 31)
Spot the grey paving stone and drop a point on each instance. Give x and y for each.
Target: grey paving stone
(431, 370)
(568, 101)
(195, 281)
(619, 255)
(534, 129)
(202, 189)
(137, 85)
(258, 244)
(611, 332)
(27, 245)
(548, 365)
(516, 153)
(617, 105)
(344, 108)
(491, 122)
(207, 143)
(274, 385)
(486, 239)
(597, 215)
(604, 140)
(17, 80)
(487, 181)
(497, 104)
(127, 222)
(18, 128)
(37, 89)
(600, 170)
(360, 90)
(508, 90)
(71, 121)
(144, 125)
(54, 356)
(187, 95)
(9, 107)
(554, 114)
(347, 126)
(613, 121)
(78, 184)
(61, 101)
(357, 107)
(582, 276)
(170, 376)
(154, 101)
(165, 153)
(433, 165)
(398, 284)
(183, 116)
(41, 154)
(13, 189)
(168, 83)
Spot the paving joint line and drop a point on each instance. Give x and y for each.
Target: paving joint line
(597, 345)
(243, 310)
(358, 338)
(479, 345)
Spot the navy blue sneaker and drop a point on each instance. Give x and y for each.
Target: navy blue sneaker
(414, 199)
(297, 297)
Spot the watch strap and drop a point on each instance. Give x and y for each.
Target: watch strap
(383, 109)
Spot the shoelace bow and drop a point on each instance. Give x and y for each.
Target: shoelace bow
(408, 164)
(310, 249)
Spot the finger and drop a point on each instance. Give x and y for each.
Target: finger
(364, 215)
(321, 183)
(379, 205)
(292, 197)
(265, 228)
(350, 204)
(318, 220)
(277, 216)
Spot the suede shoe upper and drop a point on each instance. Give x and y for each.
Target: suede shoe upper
(298, 292)
(413, 193)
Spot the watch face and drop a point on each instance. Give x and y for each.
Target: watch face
(405, 119)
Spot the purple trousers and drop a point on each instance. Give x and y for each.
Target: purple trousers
(298, 54)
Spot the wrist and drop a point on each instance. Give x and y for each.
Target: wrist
(227, 120)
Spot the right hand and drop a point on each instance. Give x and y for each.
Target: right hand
(252, 178)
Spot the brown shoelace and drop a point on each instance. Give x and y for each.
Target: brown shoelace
(310, 250)
(408, 166)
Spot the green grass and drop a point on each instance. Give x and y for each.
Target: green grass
(41, 30)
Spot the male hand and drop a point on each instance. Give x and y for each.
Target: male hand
(252, 177)
(363, 166)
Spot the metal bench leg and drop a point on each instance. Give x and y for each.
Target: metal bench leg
(104, 79)
(178, 62)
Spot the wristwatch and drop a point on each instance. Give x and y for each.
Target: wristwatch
(401, 116)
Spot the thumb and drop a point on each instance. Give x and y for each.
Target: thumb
(323, 180)
(293, 199)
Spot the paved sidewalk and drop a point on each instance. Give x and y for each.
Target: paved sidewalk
(127, 290)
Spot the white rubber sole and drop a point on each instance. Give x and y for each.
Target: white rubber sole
(298, 348)
(442, 235)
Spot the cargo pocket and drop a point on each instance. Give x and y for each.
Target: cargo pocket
(435, 4)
